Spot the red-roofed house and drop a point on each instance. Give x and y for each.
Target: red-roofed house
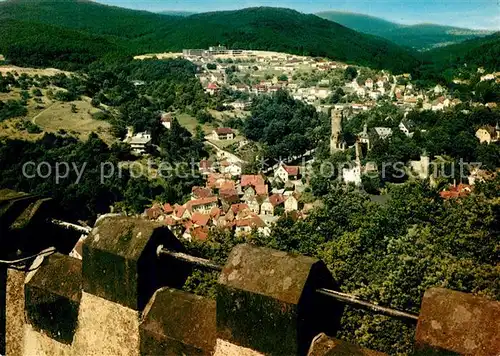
(245, 226)
(462, 190)
(200, 193)
(206, 167)
(199, 233)
(286, 173)
(154, 212)
(251, 180)
(262, 190)
(203, 205)
(238, 208)
(270, 204)
(227, 185)
(224, 133)
(200, 219)
(212, 88)
(215, 213)
(180, 212)
(167, 209)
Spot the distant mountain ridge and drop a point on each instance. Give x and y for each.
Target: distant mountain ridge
(134, 32)
(418, 37)
(177, 13)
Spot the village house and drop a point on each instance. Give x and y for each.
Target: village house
(271, 203)
(212, 88)
(238, 105)
(453, 192)
(251, 181)
(206, 167)
(181, 212)
(286, 173)
(291, 203)
(253, 204)
(203, 205)
(421, 167)
(245, 226)
(233, 169)
(199, 219)
(383, 133)
(139, 142)
(364, 137)
(228, 197)
(488, 134)
(407, 127)
(166, 120)
(201, 193)
(352, 174)
(223, 133)
(478, 175)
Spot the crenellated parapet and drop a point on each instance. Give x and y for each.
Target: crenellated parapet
(124, 298)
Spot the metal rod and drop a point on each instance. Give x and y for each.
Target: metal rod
(47, 252)
(342, 297)
(352, 300)
(201, 262)
(67, 225)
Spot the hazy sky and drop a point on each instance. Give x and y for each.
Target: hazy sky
(464, 13)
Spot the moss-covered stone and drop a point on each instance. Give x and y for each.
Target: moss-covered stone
(267, 302)
(456, 322)
(178, 323)
(120, 261)
(326, 346)
(52, 297)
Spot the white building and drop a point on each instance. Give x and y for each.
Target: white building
(138, 142)
(352, 175)
(233, 169)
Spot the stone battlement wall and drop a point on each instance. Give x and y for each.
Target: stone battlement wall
(123, 299)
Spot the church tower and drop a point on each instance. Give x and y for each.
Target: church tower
(336, 141)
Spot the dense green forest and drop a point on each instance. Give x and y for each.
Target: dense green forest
(71, 34)
(127, 31)
(285, 126)
(482, 52)
(419, 37)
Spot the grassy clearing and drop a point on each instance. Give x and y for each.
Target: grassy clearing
(190, 123)
(12, 129)
(79, 122)
(53, 116)
(4, 69)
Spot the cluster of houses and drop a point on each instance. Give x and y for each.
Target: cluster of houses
(242, 203)
(373, 89)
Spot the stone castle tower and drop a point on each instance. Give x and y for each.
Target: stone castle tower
(336, 141)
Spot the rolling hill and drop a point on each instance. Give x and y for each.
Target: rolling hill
(480, 52)
(133, 32)
(419, 37)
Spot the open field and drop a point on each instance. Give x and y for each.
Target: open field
(165, 55)
(4, 69)
(59, 116)
(222, 115)
(190, 123)
(53, 116)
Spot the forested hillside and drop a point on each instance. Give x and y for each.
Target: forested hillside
(484, 52)
(133, 32)
(444, 64)
(419, 37)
